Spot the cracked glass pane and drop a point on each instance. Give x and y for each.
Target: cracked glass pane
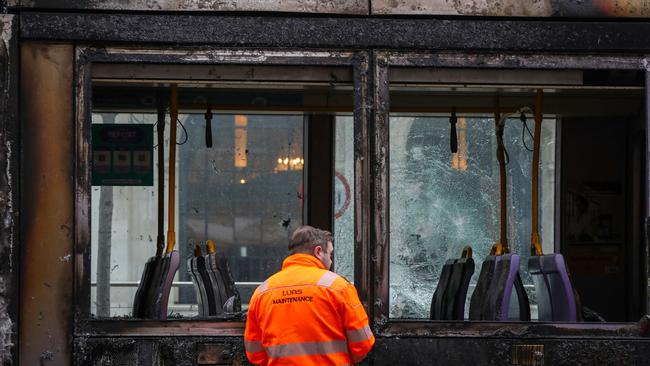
(343, 230)
(441, 202)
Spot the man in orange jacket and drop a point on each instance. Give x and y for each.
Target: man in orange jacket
(306, 315)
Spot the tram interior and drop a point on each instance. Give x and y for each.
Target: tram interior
(282, 155)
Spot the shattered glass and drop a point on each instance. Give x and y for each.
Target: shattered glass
(441, 202)
(343, 230)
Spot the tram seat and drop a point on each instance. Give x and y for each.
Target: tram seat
(448, 301)
(218, 283)
(229, 295)
(199, 286)
(494, 294)
(438, 299)
(477, 302)
(456, 293)
(555, 292)
(506, 281)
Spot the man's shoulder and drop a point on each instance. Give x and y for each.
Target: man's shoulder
(333, 280)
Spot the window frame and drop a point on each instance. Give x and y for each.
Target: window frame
(85, 57)
(382, 324)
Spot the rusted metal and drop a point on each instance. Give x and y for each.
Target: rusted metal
(48, 202)
(379, 162)
(9, 194)
(212, 354)
(338, 33)
(359, 7)
(527, 355)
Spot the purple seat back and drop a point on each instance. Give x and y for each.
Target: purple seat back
(542, 289)
(563, 300)
(173, 260)
(500, 304)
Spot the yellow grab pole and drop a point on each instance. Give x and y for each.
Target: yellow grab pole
(173, 111)
(535, 242)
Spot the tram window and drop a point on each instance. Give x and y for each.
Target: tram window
(247, 194)
(241, 194)
(343, 229)
(441, 202)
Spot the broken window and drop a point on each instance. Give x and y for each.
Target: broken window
(445, 190)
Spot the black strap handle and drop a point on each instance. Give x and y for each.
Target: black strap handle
(208, 128)
(453, 137)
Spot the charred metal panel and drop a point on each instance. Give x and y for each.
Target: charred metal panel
(520, 330)
(362, 217)
(47, 137)
(166, 351)
(8, 189)
(489, 351)
(82, 94)
(528, 8)
(517, 61)
(510, 8)
(380, 193)
(294, 6)
(107, 351)
(343, 32)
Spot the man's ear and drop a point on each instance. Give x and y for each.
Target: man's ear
(318, 250)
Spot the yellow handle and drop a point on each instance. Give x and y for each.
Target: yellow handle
(173, 112)
(535, 242)
(467, 252)
(197, 251)
(210, 246)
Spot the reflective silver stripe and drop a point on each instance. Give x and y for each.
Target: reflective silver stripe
(327, 279)
(307, 348)
(263, 287)
(359, 335)
(253, 346)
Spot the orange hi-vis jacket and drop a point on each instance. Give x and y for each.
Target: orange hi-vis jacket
(306, 315)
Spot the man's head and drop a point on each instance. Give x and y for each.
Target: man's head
(310, 240)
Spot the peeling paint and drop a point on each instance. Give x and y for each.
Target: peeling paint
(302, 6)
(7, 186)
(6, 325)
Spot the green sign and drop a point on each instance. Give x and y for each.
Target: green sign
(122, 155)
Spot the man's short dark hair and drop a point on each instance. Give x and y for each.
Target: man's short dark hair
(306, 238)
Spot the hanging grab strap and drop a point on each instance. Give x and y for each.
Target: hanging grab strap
(535, 242)
(502, 246)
